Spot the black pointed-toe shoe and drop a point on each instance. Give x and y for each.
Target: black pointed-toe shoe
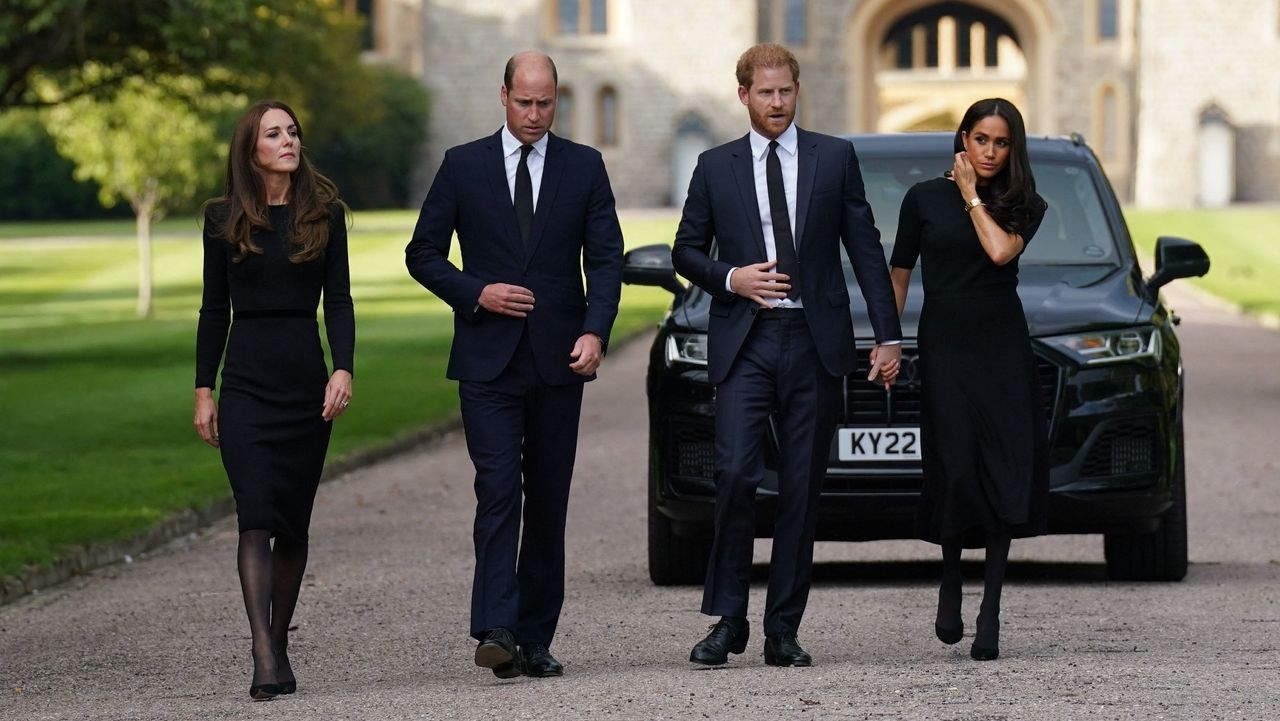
(728, 635)
(949, 635)
(265, 691)
(782, 649)
(536, 660)
(986, 640)
(497, 652)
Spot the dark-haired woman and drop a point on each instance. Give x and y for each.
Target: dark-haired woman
(984, 439)
(273, 243)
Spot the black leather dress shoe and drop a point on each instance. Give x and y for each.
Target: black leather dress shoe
(536, 660)
(497, 651)
(728, 635)
(782, 649)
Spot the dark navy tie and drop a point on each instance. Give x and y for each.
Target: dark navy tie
(784, 245)
(524, 196)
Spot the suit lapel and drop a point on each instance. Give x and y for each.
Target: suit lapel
(806, 170)
(744, 174)
(552, 171)
(495, 171)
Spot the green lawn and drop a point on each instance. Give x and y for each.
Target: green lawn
(1242, 248)
(96, 441)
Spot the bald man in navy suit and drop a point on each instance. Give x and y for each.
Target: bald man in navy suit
(533, 213)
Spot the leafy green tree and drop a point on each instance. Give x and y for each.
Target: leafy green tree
(152, 144)
(92, 47)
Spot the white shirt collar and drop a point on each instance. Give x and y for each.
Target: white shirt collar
(788, 141)
(511, 145)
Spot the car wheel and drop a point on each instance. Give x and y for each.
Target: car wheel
(674, 560)
(1162, 554)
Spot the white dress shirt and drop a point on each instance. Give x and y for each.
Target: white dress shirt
(788, 145)
(511, 158)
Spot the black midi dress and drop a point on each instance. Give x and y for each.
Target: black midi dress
(272, 436)
(983, 428)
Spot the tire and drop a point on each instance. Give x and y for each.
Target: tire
(1162, 554)
(674, 560)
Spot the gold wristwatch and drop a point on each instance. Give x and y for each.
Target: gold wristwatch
(975, 202)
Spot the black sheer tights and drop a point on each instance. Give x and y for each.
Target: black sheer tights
(270, 579)
(949, 594)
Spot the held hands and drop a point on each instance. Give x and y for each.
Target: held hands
(206, 418)
(337, 395)
(586, 354)
(886, 361)
(758, 284)
(505, 299)
(965, 177)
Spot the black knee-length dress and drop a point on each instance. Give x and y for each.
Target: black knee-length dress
(272, 436)
(983, 427)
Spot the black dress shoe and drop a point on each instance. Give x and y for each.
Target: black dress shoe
(497, 651)
(536, 660)
(728, 635)
(782, 649)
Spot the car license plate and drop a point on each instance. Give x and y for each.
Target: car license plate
(879, 444)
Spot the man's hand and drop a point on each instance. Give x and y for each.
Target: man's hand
(886, 360)
(758, 284)
(586, 354)
(505, 299)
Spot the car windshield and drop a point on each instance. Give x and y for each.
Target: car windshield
(1074, 230)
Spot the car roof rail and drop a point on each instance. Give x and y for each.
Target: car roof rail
(1076, 138)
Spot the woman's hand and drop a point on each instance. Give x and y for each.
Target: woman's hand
(206, 420)
(337, 394)
(965, 177)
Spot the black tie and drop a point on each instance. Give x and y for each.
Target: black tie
(524, 196)
(784, 246)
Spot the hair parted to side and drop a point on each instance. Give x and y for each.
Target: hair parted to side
(1014, 203)
(509, 73)
(765, 55)
(242, 207)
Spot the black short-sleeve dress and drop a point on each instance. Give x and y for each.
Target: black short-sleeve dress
(983, 425)
(272, 436)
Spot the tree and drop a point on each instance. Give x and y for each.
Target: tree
(229, 44)
(152, 144)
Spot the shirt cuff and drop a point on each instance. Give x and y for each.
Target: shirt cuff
(728, 280)
(889, 342)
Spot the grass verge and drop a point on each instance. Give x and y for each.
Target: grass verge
(96, 443)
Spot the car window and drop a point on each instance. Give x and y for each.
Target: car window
(1074, 230)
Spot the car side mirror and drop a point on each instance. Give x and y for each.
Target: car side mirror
(1177, 258)
(651, 265)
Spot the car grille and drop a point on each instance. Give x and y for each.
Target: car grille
(866, 402)
(1124, 447)
(692, 450)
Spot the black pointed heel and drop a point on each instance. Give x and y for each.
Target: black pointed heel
(985, 629)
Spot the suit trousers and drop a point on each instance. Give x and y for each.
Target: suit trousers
(777, 370)
(522, 435)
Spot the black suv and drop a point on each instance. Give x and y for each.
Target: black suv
(1109, 367)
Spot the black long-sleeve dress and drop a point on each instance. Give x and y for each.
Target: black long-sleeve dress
(983, 427)
(272, 436)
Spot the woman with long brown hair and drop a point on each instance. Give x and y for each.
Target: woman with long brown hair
(986, 472)
(273, 243)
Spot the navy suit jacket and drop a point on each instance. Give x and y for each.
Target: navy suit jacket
(831, 209)
(575, 229)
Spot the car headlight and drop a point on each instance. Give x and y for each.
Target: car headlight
(1110, 346)
(687, 348)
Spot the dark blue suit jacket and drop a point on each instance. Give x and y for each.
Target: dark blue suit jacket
(831, 209)
(575, 229)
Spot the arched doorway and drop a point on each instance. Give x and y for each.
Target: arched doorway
(917, 64)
